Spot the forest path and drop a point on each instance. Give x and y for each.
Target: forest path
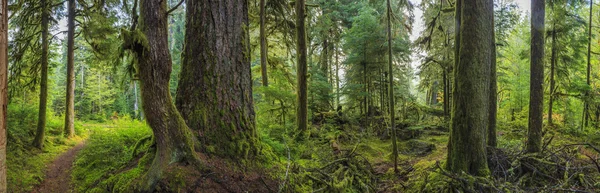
(58, 173)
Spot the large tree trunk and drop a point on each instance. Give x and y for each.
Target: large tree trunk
(215, 87)
(3, 90)
(263, 44)
(174, 141)
(41, 125)
(70, 100)
(536, 96)
(391, 79)
(302, 69)
(471, 89)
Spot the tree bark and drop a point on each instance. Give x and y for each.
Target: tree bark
(3, 90)
(589, 68)
(471, 89)
(41, 125)
(492, 141)
(215, 86)
(536, 96)
(302, 70)
(174, 141)
(70, 99)
(391, 79)
(553, 61)
(263, 44)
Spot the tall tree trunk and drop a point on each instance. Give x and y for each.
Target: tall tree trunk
(263, 43)
(337, 78)
(589, 68)
(174, 140)
(3, 90)
(215, 87)
(41, 125)
(553, 61)
(391, 95)
(302, 70)
(536, 96)
(492, 141)
(457, 25)
(70, 100)
(471, 89)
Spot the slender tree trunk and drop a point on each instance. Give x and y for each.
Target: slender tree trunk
(263, 44)
(215, 87)
(302, 111)
(553, 61)
(41, 125)
(174, 140)
(70, 100)
(589, 67)
(492, 141)
(536, 96)
(391, 95)
(457, 25)
(471, 89)
(3, 90)
(337, 78)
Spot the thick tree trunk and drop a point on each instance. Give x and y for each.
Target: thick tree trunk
(536, 96)
(391, 79)
(263, 44)
(3, 90)
(302, 111)
(471, 89)
(215, 86)
(41, 125)
(70, 99)
(174, 141)
(553, 61)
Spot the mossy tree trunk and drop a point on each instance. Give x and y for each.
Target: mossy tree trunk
(391, 85)
(215, 87)
(586, 106)
(467, 151)
(41, 125)
(536, 95)
(263, 43)
(302, 69)
(492, 140)
(70, 98)
(174, 140)
(553, 62)
(3, 90)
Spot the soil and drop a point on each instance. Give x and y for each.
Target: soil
(58, 173)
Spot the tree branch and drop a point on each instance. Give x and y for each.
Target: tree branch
(174, 8)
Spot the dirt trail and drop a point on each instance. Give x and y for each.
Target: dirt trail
(58, 173)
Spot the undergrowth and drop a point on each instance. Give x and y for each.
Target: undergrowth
(108, 163)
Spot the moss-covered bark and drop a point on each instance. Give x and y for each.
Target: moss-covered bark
(3, 92)
(70, 99)
(302, 68)
(41, 125)
(263, 43)
(467, 152)
(536, 94)
(215, 87)
(174, 141)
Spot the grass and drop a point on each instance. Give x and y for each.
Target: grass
(104, 164)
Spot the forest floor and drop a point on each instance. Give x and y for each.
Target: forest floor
(58, 173)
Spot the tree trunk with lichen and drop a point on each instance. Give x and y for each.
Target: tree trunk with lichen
(70, 99)
(215, 86)
(174, 141)
(536, 94)
(3, 90)
(302, 69)
(41, 125)
(263, 43)
(467, 152)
